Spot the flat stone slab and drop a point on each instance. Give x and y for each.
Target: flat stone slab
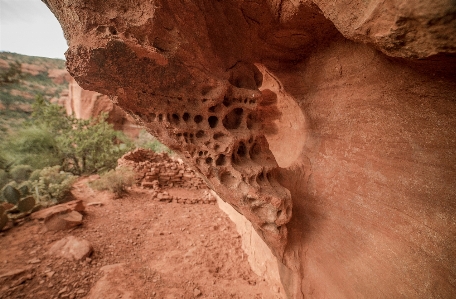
(71, 248)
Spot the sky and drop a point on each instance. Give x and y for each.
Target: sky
(28, 27)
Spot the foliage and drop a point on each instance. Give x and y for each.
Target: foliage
(3, 178)
(48, 63)
(35, 176)
(16, 96)
(147, 141)
(53, 185)
(8, 99)
(84, 146)
(50, 116)
(12, 74)
(21, 173)
(90, 146)
(11, 194)
(3, 161)
(115, 181)
(31, 145)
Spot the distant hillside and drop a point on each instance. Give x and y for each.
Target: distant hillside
(21, 79)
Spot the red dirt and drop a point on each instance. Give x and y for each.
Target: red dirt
(167, 250)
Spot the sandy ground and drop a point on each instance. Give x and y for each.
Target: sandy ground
(157, 250)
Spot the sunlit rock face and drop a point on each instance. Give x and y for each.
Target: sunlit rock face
(86, 104)
(331, 127)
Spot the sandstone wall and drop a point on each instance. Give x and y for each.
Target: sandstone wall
(85, 104)
(260, 257)
(330, 126)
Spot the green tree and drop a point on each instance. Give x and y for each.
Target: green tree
(85, 146)
(32, 145)
(12, 74)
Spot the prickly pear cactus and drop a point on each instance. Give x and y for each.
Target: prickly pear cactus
(26, 204)
(3, 217)
(11, 194)
(24, 188)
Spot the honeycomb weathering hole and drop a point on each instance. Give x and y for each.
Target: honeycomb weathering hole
(220, 160)
(199, 134)
(250, 121)
(242, 150)
(175, 119)
(233, 119)
(228, 180)
(198, 119)
(255, 152)
(227, 101)
(213, 121)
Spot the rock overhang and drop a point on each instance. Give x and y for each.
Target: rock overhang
(198, 76)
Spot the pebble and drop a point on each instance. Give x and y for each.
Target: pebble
(63, 290)
(196, 292)
(34, 261)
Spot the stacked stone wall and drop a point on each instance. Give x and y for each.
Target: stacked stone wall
(159, 171)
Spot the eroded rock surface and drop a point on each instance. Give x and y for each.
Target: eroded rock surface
(85, 104)
(312, 119)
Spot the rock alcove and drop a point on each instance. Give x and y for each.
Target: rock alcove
(329, 125)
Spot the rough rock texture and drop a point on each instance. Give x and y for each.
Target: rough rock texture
(111, 284)
(71, 248)
(260, 257)
(85, 104)
(160, 167)
(59, 76)
(71, 206)
(62, 216)
(314, 120)
(413, 28)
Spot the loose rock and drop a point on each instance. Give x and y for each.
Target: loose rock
(71, 248)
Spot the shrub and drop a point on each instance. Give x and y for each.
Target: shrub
(21, 173)
(35, 176)
(53, 185)
(115, 181)
(147, 141)
(85, 146)
(13, 74)
(3, 178)
(3, 161)
(32, 146)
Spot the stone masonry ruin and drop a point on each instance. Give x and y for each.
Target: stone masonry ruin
(159, 171)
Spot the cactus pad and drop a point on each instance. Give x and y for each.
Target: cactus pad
(11, 194)
(26, 204)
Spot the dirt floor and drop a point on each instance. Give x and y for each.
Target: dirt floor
(152, 250)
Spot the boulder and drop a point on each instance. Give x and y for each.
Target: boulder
(71, 248)
(62, 216)
(45, 214)
(63, 221)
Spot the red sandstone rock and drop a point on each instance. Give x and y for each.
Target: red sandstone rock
(32, 69)
(111, 284)
(71, 248)
(399, 28)
(63, 221)
(60, 217)
(341, 156)
(59, 76)
(45, 214)
(85, 104)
